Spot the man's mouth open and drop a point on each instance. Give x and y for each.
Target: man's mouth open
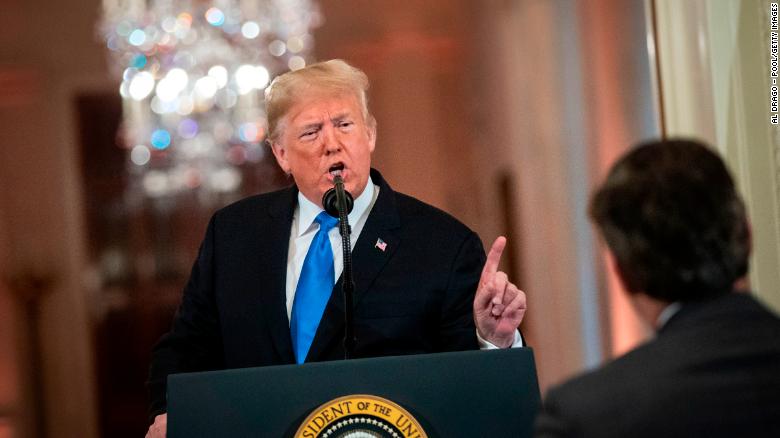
(336, 170)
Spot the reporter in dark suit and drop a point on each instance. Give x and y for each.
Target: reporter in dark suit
(679, 241)
(422, 281)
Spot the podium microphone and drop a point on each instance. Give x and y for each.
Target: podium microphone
(337, 199)
(338, 203)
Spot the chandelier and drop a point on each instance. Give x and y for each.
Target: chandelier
(193, 74)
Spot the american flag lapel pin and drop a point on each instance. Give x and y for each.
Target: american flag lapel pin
(381, 244)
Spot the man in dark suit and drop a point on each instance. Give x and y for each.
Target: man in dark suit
(261, 291)
(679, 242)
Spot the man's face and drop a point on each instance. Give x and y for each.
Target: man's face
(321, 133)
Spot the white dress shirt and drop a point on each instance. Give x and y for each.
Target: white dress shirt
(667, 314)
(304, 229)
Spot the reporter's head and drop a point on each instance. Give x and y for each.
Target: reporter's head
(673, 220)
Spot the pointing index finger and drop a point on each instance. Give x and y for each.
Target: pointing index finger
(494, 256)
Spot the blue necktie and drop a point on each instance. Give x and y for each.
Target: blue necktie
(314, 288)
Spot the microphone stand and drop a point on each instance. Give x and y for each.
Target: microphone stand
(338, 203)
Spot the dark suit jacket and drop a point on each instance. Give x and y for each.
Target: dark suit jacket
(413, 297)
(712, 371)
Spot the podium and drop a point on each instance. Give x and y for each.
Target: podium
(460, 394)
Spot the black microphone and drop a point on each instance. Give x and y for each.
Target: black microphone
(338, 203)
(330, 200)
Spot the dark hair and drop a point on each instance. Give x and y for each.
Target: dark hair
(671, 215)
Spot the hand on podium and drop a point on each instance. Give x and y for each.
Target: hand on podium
(159, 427)
(499, 306)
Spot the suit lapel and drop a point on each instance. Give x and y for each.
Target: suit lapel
(367, 262)
(272, 242)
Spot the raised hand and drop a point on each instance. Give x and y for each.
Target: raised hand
(499, 306)
(159, 428)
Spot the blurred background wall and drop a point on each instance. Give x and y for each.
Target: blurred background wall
(505, 113)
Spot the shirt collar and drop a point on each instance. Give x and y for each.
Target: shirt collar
(308, 210)
(666, 314)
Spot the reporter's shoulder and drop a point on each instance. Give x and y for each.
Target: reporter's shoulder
(582, 397)
(631, 376)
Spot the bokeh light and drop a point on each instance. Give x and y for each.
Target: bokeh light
(219, 73)
(184, 21)
(169, 24)
(249, 77)
(296, 63)
(295, 44)
(215, 17)
(138, 61)
(137, 37)
(160, 139)
(206, 87)
(277, 48)
(172, 84)
(112, 43)
(188, 128)
(129, 72)
(250, 30)
(140, 155)
(248, 132)
(141, 85)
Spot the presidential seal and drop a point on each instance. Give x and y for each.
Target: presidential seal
(360, 416)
